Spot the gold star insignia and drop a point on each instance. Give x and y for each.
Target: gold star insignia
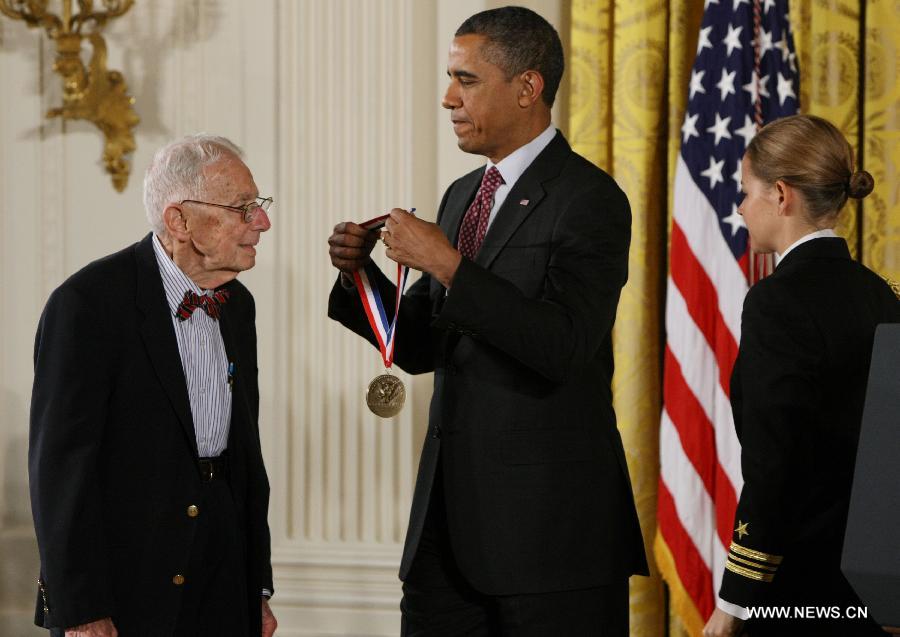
(741, 529)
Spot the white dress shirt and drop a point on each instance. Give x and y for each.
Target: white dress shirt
(203, 360)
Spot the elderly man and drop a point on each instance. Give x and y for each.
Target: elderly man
(148, 487)
(522, 522)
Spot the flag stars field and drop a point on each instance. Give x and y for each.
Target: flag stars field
(733, 39)
(747, 131)
(785, 88)
(720, 129)
(714, 172)
(689, 128)
(703, 42)
(726, 83)
(697, 83)
(735, 220)
(755, 89)
(737, 175)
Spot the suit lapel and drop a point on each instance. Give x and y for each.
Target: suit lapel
(159, 337)
(525, 196)
(519, 203)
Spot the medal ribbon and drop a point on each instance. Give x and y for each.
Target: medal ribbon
(366, 284)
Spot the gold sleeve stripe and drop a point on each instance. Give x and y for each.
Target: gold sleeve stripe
(755, 555)
(753, 564)
(746, 572)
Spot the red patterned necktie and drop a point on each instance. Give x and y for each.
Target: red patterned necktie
(475, 223)
(212, 304)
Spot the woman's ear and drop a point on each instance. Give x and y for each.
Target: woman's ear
(786, 197)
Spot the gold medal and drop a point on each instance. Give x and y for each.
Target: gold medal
(385, 395)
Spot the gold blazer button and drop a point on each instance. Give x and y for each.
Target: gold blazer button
(193, 511)
(178, 580)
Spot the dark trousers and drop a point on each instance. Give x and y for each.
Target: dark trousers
(438, 601)
(214, 602)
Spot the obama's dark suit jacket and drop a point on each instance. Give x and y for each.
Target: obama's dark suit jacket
(536, 486)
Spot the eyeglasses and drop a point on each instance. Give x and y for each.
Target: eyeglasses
(249, 211)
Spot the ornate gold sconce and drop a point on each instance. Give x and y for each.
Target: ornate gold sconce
(93, 93)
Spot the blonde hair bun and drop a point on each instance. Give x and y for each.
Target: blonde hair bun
(861, 184)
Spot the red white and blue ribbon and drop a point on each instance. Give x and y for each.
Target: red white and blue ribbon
(367, 287)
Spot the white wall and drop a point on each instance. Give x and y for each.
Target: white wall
(336, 103)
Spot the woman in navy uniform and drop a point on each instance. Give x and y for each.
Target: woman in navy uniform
(798, 387)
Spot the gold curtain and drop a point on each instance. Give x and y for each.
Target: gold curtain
(630, 65)
(827, 36)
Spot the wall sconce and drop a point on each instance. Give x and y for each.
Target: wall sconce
(94, 93)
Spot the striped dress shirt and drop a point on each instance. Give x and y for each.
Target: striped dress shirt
(203, 360)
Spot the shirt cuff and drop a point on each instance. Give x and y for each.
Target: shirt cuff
(267, 593)
(732, 609)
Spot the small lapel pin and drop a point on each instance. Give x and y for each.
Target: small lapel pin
(524, 202)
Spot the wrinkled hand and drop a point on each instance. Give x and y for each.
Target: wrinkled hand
(420, 245)
(99, 628)
(721, 624)
(269, 623)
(349, 246)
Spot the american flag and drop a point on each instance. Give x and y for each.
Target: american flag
(744, 75)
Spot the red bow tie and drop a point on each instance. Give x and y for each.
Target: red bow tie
(212, 305)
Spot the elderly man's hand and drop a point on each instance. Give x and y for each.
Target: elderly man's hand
(350, 245)
(721, 624)
(420, 245)
(99, 628)
(269, 623)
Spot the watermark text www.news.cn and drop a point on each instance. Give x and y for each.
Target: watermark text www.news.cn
(808, 612)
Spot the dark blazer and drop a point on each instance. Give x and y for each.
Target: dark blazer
(113, 454)
(797, 391)
(537, 491)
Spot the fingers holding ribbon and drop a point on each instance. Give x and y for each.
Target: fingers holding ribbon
(349, 246)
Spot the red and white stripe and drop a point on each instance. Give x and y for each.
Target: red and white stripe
(700, 476)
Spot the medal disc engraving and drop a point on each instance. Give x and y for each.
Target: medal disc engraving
(385, 395)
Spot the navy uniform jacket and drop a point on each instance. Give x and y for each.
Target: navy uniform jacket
(797, 393)
(536, 486)
(113, 456)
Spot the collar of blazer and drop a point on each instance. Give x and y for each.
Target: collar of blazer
(546, 166)
(821, 248)
(159, 336)
(162, 346)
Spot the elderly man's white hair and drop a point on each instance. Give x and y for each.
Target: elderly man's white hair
(176, 173)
